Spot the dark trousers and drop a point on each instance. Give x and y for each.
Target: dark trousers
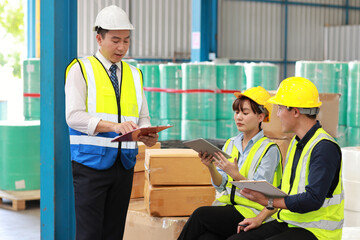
(211, 223)
(274, 230)
(101, 201)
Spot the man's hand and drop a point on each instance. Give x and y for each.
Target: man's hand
(149, 140)
(248, 224)
(255, 196)
(125, 127)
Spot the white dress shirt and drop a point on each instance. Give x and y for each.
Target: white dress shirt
(75, 99)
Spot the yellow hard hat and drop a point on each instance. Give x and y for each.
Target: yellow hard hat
(260, 96)
(297, 92)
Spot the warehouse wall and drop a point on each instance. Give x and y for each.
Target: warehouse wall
(258, 30)
(248, 30)
(162, 27)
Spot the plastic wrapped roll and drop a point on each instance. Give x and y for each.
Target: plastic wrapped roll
(322, 74)
(328, 77)
(199, 102)
(228, 77)
(3, 110)
(226, 129)
(173, 133)
(342, 72)
(353, 136)
(353, 110)
(341, 136)
(170, 78)
(151, 78)
(198, 129)
(19, 155)
(243, 79)
(262, 74)
(351, 163)
(199, 106)
(31, 69)
(132, 62)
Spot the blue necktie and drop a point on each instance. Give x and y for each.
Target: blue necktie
(114, 80)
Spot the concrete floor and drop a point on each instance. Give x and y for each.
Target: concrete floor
(24, 225)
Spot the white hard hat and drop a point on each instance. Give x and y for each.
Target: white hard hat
(113, 18)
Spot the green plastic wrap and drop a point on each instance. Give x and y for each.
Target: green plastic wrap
(353, 110)
(173, 133)
(226, 129)
(342, 72)
(170, 78)
(19, 155)
(243, 79)
(191, 129)
(228, 77)
(262, 74)
(31, 70)
(201, 104)
(328, 77)
(151, 78)
(341, 135)
(353, 137)
(224, 103)
(3, 110)
(132, 62)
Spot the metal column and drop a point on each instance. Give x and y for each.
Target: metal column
(203, 36)
(58, 47)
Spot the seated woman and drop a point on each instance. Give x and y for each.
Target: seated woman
(254, 157)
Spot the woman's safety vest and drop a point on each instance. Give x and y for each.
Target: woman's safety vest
(232, 196)
(98, 151)
(327, 222)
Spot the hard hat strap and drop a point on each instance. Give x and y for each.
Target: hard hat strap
(262, 108)
(309, 111)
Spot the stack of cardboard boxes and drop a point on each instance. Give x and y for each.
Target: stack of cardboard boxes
(176, 182)
(139, 171)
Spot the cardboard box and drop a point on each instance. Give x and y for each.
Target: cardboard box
(140, 158)
(175, 167)
(176, 201)
(138, 185)
(140, 225)
(283, 145)
(328, 117)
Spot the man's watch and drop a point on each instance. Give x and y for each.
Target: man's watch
(270, 205)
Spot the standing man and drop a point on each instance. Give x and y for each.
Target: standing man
(314, 207)
(104, 98)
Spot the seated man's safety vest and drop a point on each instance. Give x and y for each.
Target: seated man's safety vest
(98, 151)
(232, 196)
(327, 222)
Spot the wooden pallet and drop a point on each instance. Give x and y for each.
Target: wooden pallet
(18, 198)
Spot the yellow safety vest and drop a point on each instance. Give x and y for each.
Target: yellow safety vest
(327, 222)
(98, 151)
(246, 207)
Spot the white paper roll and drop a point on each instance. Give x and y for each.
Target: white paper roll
(351, 218)
(351, 163)
(352, 195)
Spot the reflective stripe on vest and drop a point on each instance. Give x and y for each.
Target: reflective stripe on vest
(326, 222)
(246, 207)
(97, 151)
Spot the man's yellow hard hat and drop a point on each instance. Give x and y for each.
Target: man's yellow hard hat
(297, 92)
(260, 96)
